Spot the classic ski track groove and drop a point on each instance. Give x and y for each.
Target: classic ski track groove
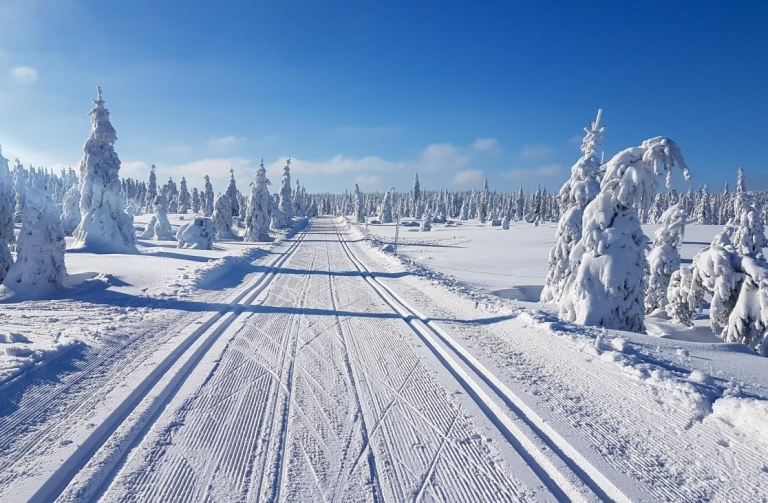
(572, 465)
(52, 486)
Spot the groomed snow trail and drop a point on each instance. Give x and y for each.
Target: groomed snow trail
(323, 394)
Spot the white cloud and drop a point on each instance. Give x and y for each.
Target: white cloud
(468, 177)
(551, 170)
(442, 157)
(537, 152)
(340, 164)
(23, 75)
(225, 142)
(368, 181)
(485, 144)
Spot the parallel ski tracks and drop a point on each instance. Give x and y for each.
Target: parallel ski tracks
(562, 469)
(180, 361)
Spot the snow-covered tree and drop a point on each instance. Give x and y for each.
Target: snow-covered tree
(162, 229)
(208, 197)
(359, 206)
(664, 258)
(197, 234)
(286, 204)
(151, 188)
(426, 222)
(39, 266)
(70, 216)
(416, 197)
(607, 287)
(577, 192)
(195, 201)
(257, 213)
(104, 227)
(183, 199)
(222, 217)
(231, 193)
(7, 208)
(385, 210)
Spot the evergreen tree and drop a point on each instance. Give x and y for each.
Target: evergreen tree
(416, 196)
(285, 205)
(195, 201)
(151, 188)
(258, 211)
(359, 204)
(664, 258)
(7, 236)
(231, 193)
(222, 217)
(183, 198)
(104, 227)
(208, 197)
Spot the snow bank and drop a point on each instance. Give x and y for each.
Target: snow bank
(18, 353)
(748, 416)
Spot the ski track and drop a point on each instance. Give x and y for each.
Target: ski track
(322, 395)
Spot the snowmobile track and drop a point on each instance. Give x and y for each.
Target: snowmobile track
(159, 386)
(563, 470)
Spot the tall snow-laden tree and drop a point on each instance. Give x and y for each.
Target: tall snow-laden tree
(7, 208)
(105, 227)
(482, 207)
(39, 266)
(208, 197)
(416, 197)
(183, 199)
(664, 258)
(257, 213)
(359, 206)
(195, 201)
(608, 286)
(162, 229)
(286, 205)
(70, 216)
(385, 210)
(151, 188)
(231, 193)
(577, 192)
(222, 217)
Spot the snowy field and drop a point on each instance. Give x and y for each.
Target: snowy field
(320, 368)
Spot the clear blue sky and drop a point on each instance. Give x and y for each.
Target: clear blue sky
(375, 90)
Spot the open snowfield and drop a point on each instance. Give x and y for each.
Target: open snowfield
(318, 368)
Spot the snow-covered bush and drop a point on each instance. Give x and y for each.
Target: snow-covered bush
(664, 258)
(198, 234)
(426, 223)
(149, 231)
(105, 227)
(608, 286)
(505, 222)
(222, 217)
(39, 266)
(257, 212)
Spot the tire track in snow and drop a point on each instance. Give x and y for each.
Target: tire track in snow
(566, 473)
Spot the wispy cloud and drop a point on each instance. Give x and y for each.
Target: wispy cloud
(225, 142)
(516, 175)
(23, 75)
(443, 157)
(537, 152)
(338, 165)
(368, 133)
(468, 177)
(368, 181)
(485, 144)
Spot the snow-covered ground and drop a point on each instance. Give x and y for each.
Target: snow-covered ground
(320, 368)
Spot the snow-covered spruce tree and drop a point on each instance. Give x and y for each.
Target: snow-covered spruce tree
(7, 209)
(608, 286)
(151, 188)
(198, 234)
(359, 206)
(286, 204)
(195, 201)
(703, 208)
(183, 198)
(257, 213)
(576, 193)
(385, 210)
(162, 230)
(426, 223)
(222, 217)
(482, 207)
(749, 237)
(664, 258)
(104, 227)
(231, 193)
(208, 197)
(416, 197)
(70, 216)
(519, 205)
(39, 266)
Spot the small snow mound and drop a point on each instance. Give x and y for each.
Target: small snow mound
(747, 415)
(700, 377)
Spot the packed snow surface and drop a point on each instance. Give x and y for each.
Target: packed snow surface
(320, 368)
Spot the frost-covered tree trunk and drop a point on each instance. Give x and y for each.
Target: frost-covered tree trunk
(664, 258)
(105, 227)
(70, 216)
(257, 213)
(208, 203)
(7, 203)
(222, 217)
(608, 288)
(39, 267)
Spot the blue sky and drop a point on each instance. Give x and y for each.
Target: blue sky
(374, 91)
